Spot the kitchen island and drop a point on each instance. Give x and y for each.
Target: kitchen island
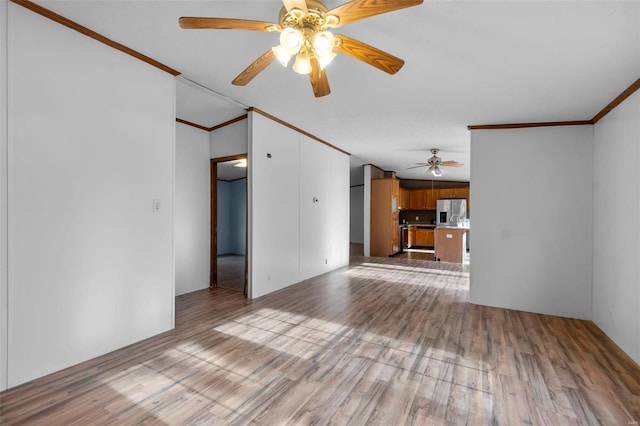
(420, 234)
(451, 243)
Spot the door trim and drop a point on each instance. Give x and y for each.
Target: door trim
(213, 270)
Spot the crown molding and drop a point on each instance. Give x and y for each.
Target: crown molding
(94, 35)
(604, 111)
(617, 101)
(189, 123)
(523, 125)
(297, 129)
(228, 122)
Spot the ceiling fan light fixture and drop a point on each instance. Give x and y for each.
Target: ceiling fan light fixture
(303, 63)
(297, 13)
(322, 43)
(282, 55)
(291, 40)
(325, 60)
(331, 21)
(434, 170)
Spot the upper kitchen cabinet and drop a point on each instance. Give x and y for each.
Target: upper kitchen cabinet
(406, 198)
(431, 199)
(423, 199)
(427, 199)
(461, 192)
(417, 199)
(385, 230)
(404, 201)
(445, 193)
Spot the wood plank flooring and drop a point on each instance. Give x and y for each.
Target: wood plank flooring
(231, 271)
(384, 341)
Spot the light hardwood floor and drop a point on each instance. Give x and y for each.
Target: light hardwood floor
(384, 341)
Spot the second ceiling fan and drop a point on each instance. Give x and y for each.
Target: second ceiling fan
(434, 163)
(305, 34)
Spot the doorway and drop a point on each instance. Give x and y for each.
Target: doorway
(229, 222)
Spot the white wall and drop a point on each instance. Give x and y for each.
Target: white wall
(356, 222)
(356, 204)
(366, 207)
(230, 140)
(223, 217)
(299, 207)
(91, 142)
(531, 191)
(3, 194)
(616, 226)
(193, 209)
(238, 205)
(232, 216)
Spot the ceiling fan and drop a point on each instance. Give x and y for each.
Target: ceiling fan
(304, 33)
(435, 163)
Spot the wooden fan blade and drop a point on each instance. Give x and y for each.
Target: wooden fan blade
(295, 4)
(252, 70)
(225, 24)
(318, 79)
(369, 54)
(421, 165)
(451, 164)
(360, 9)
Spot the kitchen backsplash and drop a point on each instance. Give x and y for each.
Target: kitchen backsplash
(428, 216)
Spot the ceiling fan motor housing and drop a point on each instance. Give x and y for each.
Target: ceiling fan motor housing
(435, 160)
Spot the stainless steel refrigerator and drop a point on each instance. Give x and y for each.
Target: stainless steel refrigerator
(451, 212)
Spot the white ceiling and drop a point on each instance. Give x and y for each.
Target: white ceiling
(227, 171)
(467, 62)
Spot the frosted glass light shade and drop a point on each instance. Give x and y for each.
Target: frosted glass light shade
(291, 40)
(302, 64)
(323, 43)
(435, 171)
(326, 60)
(282, 55)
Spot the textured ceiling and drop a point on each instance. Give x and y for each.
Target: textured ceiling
(467, 62)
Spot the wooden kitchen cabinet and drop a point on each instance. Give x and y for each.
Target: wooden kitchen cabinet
(427, 199)
(445, 193)
(417, 199)
(412, 237)
(431, 199)
(385, 230)
(461, 192)
(403, 201)
(424, 237)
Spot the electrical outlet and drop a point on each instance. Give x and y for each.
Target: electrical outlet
(417, 217)
(325, 261)
(268, 277)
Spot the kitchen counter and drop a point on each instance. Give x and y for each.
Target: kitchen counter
(454, 227)
(421, 224)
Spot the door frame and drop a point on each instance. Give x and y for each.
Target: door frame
(213, 270)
